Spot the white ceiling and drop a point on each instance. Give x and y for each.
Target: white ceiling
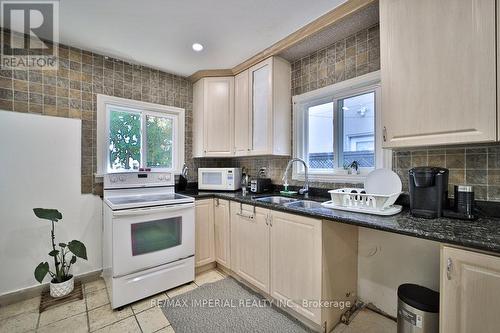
(159, 33)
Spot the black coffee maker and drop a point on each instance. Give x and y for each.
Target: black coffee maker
(428, 191)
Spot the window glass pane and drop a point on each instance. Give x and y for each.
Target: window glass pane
(358, 137)
(154, 236)
(124, 140)
(320, 136)
(159, 134)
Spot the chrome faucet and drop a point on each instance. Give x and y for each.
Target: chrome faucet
(305, 188)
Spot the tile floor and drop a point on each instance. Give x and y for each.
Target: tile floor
(94, 314)
(367, 321)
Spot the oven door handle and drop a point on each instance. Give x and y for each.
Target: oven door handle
(152, 210)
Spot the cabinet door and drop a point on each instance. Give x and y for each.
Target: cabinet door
(198, 121)
(296, 262)
(250, 244)
(204, 232)
(438, 71)
(242, 115)
(222, 232)
(261, 99)
(218, 116)
(470, 292)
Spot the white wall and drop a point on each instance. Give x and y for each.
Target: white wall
(40, 167)
(387, 260)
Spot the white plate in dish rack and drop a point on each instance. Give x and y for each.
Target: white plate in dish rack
(391, 210)
(383, 182)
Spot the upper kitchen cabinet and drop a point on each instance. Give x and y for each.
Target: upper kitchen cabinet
(249, 114)
(269, 96)
(242, 115)
(438, 72)
(213, 117)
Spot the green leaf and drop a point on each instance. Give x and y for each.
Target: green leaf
(73, 260)
(62, 244)
(78, 249)
(48, 214)
(41, 270)
(53, 253)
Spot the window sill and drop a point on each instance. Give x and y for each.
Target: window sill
(331, 178)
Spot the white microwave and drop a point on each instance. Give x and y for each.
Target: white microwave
(222, 179)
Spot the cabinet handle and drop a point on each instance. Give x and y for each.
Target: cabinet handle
(384, 134)
(449, 267)
(270, 220)
(250, 217)
(267, 219)
(216, 202)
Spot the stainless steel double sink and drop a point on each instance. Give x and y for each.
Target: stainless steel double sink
(290, 202)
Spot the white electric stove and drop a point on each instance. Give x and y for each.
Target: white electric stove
(148, 236)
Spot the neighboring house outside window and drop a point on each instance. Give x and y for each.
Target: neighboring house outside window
(133, 134)
(336, 125)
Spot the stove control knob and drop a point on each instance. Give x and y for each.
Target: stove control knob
(168, 177)
(113, 179)
(160, 177)
(122, 178)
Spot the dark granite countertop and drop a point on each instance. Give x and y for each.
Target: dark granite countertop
(481, 234)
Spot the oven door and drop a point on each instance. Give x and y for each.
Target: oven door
(212, 179)
(149, 237)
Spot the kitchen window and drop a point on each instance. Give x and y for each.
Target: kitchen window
(134, 135)
(337, 125)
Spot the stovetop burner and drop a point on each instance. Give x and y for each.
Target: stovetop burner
(150, 198)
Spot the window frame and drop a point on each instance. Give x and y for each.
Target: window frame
(146, 109)
(333, 93)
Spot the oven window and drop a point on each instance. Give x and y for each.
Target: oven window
(212, 178)
(154, 236)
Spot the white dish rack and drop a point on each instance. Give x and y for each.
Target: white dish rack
(357, 200)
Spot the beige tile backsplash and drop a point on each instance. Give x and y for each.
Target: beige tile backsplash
(345, 59)
(476, 165)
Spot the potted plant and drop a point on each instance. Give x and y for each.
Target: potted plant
(354, 166)
(62, 282)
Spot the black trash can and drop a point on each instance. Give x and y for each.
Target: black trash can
(418, 309)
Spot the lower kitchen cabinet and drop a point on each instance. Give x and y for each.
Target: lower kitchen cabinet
(222, 232)
(470, 292)
(250, 244)
(204, 232)
(295, 259)
(313, 261)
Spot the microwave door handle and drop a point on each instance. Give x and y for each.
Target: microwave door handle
(143, 211)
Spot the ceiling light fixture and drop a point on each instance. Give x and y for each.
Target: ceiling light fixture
(197, 47)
